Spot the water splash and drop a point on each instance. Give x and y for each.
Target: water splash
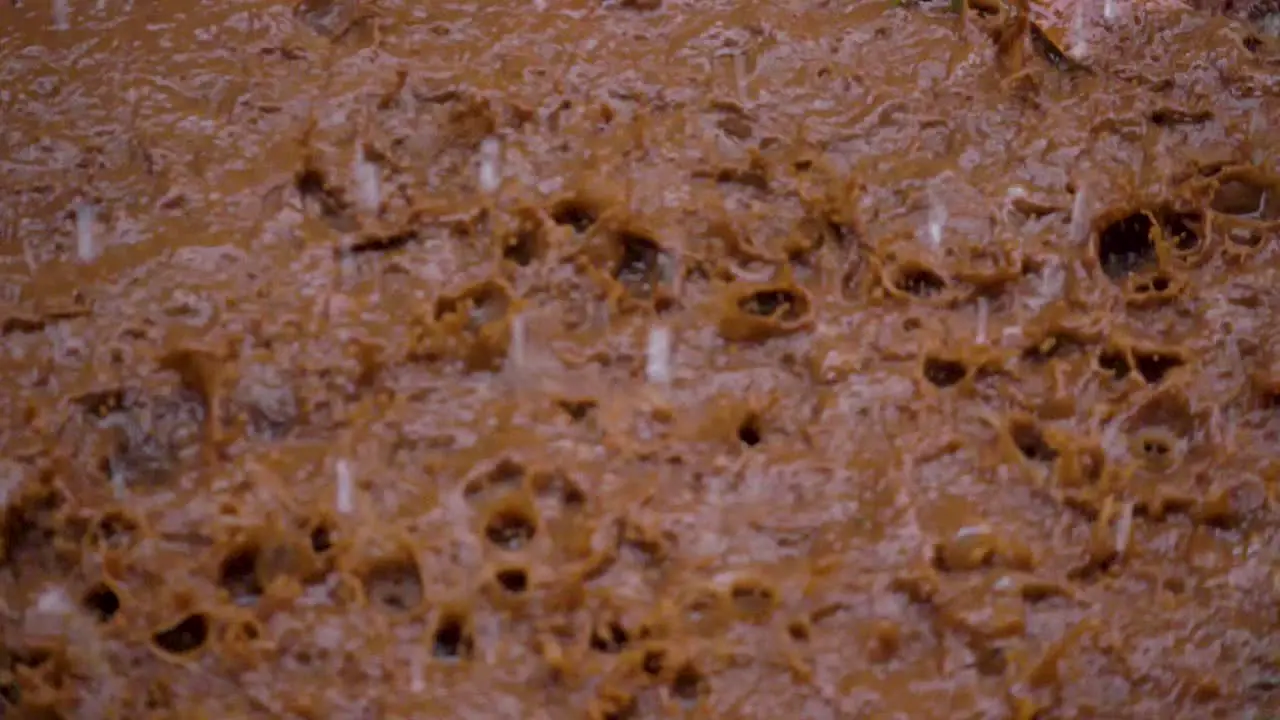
(937, 219)
(86, 248)
(657, 367)
(368, 186)
(490, 169)
(983, 312)
(1124, 528)
(61, 15)
(1079, 42)
(516, 352)
(345, 499)
(1079, 231)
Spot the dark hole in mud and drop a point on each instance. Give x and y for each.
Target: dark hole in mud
(1126, 246)
(638, 267)
(777, 304)
(944, 373)
(1156, 447)
(1031, 443)
(1182, 230)
(688, 684)
(1154, 366)
(610, 638)
(513, 580)
(394, 585)
(185, 637)
(749, 432)
(1054, 345)
(451, 640)
(321, 539)
(238, 574)
(577, 410)
(575, 213)
(1115, 363)
(102, 602)
(920, 282)
(510, 529)
(521, 248)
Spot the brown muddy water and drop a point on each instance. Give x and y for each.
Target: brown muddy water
(639, 359)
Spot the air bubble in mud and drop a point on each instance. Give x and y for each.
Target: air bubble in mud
(1157, 448)
(102, 602)
(1031, 442)
(688, 684)
(452, 639)
(943, 372)
(527, 242)
(1115, 363)
(609, 637)
(653, 662)
(918, 281)
(1182, 230)
(576, 213)
(1127, 245)
(238, 574)
(514, 580)
(321, 538)
(394, 584)
(1154, 365)
(184, 637)
(758, 312)
(638, 264)
(771, 304)
(749, 431)
(510, 527)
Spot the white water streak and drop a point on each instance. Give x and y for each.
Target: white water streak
(368, 186)
(1079, 42)
(490, 165)
(345, 500)
(657, 368)
(984, 311)
(1079, 232)
(1124, 528)
(85, 246)
(937, 219)
(519, 332)
(61, 15)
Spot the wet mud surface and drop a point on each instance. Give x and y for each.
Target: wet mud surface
(638, 359)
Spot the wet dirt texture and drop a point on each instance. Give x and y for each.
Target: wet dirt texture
(334, 382)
